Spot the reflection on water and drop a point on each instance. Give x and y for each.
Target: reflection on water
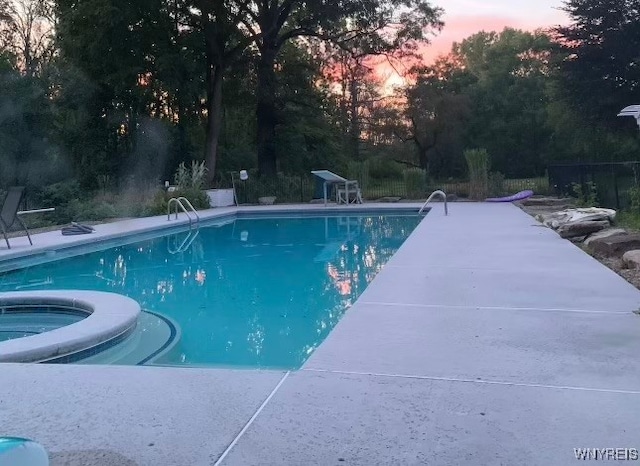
(259, 292)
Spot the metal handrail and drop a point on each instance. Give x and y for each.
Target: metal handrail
(193, 209)
(433, 194)
(177, 201)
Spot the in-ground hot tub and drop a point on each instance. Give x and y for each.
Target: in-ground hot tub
(63, 326)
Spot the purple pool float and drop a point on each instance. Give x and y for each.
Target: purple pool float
(516, 197)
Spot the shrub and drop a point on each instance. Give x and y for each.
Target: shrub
(190, 177)
(587, 196)
(478, 166)
(634, 198)
(158, 205)
(382, 168)
(93, 210)
(415, 183)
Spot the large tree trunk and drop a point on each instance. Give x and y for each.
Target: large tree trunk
(214, 119)
(266, 112)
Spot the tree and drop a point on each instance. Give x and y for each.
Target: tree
(371, 26)
(437, 110)
(227, 33)
(509, 98)
(27, 32)
(601, 70)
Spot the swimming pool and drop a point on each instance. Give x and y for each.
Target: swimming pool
(256, 292)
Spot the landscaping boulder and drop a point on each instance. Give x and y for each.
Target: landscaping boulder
(605, 234)
(582, 228)
(632, 259)
(587, 214)
(266, 200)
(546, 201)
(616, 245)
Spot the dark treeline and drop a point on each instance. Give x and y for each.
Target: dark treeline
(109, 92)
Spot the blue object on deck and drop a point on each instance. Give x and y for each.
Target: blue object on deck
(516, 197)
(15, 451)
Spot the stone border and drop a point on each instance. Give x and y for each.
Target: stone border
(110, 316)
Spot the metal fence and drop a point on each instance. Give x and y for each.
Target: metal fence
(294, 189)
(612, 180)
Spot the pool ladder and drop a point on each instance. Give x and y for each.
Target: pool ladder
(193, 216)
(180, 202)
(434, 194)
(185, 244)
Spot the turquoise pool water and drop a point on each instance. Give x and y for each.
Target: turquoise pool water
(17, 322)
(252, 292)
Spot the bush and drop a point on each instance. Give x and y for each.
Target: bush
(587, 196)
(415, 183)
(64, 197)
(190, 177)
(383, 168)
(160, 202)
(634, 198)
(478, 166)
(92, 210)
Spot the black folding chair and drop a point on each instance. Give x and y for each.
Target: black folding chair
(9, 213)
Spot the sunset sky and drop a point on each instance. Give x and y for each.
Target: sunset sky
(465, 17)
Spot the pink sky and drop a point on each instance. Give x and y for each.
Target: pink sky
(465, 17)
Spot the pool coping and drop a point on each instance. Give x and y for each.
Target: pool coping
(110, 318)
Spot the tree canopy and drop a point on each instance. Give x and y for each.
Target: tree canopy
(103, 91)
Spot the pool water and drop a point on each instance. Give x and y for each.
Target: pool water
(251, 292)
(18, 322)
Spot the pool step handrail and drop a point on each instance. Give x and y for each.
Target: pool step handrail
(437, 192)
(180, 202)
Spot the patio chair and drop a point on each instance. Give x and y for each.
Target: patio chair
(9, 213)
(348, 193)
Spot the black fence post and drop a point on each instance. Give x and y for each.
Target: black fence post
(615, 185)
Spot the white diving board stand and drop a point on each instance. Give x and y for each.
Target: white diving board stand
(328, 178)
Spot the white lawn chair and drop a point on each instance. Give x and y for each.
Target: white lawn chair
(348, 193)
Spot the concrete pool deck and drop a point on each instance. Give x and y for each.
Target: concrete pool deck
(486, 339)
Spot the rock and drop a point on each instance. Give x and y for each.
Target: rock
(578, 239)
(616, 245)
(389, 199)
(605, 234)
(632, 259)
(582, 228)
(266, 200)
(546, 201)
(557, 219)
